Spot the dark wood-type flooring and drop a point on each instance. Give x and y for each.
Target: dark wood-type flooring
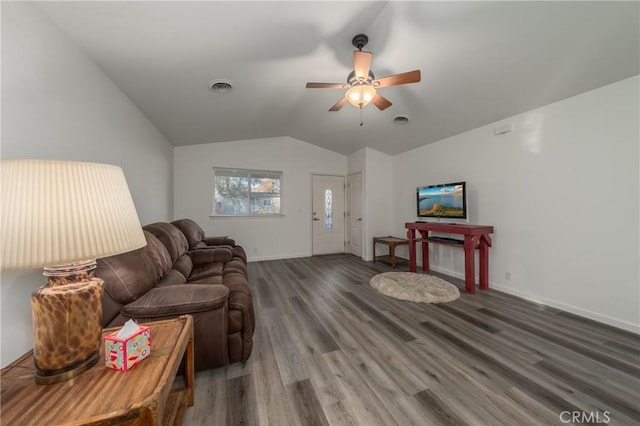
(328, 349)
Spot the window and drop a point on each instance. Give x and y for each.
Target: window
(240, 192)
(328, 210)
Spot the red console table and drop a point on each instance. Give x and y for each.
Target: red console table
(475, 237)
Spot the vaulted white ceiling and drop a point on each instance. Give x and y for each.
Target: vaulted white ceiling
(481, 62)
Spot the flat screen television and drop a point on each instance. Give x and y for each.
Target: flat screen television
(447, 200)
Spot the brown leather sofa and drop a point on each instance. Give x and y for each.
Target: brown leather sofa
(166, 279)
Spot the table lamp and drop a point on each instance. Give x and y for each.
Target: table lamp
(62, 215)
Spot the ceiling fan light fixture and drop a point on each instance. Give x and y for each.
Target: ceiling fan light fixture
(360, 96)
(361, 82)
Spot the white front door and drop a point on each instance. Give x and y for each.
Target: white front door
(328, 214)
(354, 215)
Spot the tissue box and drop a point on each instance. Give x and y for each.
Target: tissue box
(123, 354)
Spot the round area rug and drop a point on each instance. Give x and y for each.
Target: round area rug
(415, 287)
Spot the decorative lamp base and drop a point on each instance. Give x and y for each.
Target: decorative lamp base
(67, 315)
(49, 377)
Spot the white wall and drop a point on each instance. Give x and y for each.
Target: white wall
(378, 200)
(263, 238)
(377, 171)
(562, 191)
(57, 104)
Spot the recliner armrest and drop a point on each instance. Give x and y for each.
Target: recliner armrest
(219, 241)
(204, 255)
(178, 300)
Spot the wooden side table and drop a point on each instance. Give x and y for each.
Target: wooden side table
(102, 396)
(392, 242)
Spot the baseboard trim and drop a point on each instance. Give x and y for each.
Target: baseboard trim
(595, 316)
(284, 256)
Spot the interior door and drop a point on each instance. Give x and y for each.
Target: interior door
(328, 214)
(354, 214)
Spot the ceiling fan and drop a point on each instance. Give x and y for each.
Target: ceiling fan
(361, 83)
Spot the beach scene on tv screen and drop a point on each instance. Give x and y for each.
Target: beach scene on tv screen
(441, 201)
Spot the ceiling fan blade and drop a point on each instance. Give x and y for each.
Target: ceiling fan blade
(338, 106)
(326, 85)
(397, 79)
(381, 102)
(362, 63)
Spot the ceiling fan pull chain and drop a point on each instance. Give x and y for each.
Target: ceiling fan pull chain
(361, 116)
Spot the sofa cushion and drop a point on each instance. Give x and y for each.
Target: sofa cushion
(191, 230)
(173, 277)
(128, 276)
(110, 310)
(184, 265)
(196, 236)
(205, 271)
(171, 237)
(177, 300)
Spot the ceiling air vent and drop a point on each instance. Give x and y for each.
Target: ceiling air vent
(401, 119)
(221, 86)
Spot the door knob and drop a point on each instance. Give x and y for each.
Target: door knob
(315, 218)
(359, 219)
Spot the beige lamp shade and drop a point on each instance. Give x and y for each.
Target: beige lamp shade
(60, 212)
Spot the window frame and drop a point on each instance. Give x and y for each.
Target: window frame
(249, 173)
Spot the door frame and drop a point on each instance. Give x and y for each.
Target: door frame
(362, 210)
(344, 201)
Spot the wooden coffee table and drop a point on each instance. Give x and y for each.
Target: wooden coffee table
(102, 396)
